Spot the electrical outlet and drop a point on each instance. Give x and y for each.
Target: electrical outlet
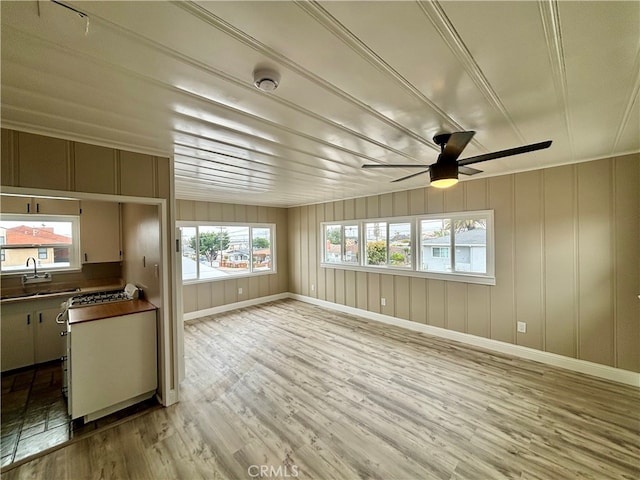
(240, 291)
(313, 287)
(383, 302)
(522, 327)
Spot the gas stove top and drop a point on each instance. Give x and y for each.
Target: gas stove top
(96, 298)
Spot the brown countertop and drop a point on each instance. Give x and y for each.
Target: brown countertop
(108, 310)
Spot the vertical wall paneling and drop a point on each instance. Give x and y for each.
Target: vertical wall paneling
(228, 212)
(401, 203)
(254, 287)
(203, 293)
(627, 260)
(387, 291)
(350, 288)
(362, 290)
(373, 206)
(338, 210)
(295, 267)
(373, 292)
(304, 248)
(559, 257)
(7, 163)
(436, 303)
(230, 291)
(280, 216)
(215, 211)
(416, 202)
(502, 293)
(252, 213)
(314, 250)
(456, 306)
(528, 255)
(402, 297)
(201, 210)
(321, 286)
(361, 207)
(339, 287)
(434, 198)
(419, 294)
(240, 214)
(349, 209)
(594, 256)
(386, 205)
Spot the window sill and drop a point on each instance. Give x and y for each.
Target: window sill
(451, 277)
(227, 277)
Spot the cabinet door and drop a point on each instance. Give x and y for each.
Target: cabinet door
(17, 340)
(15, 204)
(95, 168)
(54, 206)
(100, 232)
(39, 205)
(50, 345)
(43, 162)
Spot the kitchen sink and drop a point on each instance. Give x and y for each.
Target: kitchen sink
(39, 293)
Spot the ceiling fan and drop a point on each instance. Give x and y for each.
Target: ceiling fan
(444, 173)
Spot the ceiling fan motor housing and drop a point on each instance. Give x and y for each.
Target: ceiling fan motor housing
(443, 169)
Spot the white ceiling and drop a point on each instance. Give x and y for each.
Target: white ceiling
(361, 82)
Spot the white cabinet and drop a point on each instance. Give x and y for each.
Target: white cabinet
(100, 232)
(18, 349)
(30, 333)
(112, 363)
(39, 205)
(49, 344)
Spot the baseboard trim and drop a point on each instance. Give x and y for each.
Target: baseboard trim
(234, 306)
(606, 372)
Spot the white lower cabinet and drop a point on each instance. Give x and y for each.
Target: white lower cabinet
(112, 364)
(30, 333)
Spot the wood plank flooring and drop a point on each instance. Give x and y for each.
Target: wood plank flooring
(304, 392)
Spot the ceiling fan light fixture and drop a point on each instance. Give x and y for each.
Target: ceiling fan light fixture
(444, 174)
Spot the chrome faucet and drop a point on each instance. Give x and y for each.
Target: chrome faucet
(35, 266)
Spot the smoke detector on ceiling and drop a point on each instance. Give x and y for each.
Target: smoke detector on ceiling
(266, 79)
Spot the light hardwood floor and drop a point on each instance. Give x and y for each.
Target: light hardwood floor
(325, 395)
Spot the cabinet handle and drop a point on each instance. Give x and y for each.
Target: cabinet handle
(28, 319)
(37, 208)
(86, 259)
(64, 334)
(40, 317)
(28, 208)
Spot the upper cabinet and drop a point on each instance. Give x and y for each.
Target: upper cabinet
(42, 162)
(95, 168)
(100, 232)
(38, 205)
(36, 161)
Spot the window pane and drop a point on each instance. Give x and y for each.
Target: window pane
(333, 243)
(189, 263)
(471, 245)
(351, 246)
(262, 254)
(49, 242)
(435, 241)
(376, 243)
(227, 251)
(400, 244)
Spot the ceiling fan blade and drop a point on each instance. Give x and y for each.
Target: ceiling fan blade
(456, 144)
(410, 176)
(397, 165)
(505, 153)
(468, 170)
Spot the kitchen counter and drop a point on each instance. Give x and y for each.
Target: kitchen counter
(108, 310)
(20, 296)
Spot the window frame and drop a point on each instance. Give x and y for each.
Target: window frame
(415, 270)
(250, 262)
(75, 261)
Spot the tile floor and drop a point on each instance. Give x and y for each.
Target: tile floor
(34, 413)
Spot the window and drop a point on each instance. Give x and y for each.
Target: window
(341, 244)
(451, 246)
(217, 252)
(440, 252)
(53, 241)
